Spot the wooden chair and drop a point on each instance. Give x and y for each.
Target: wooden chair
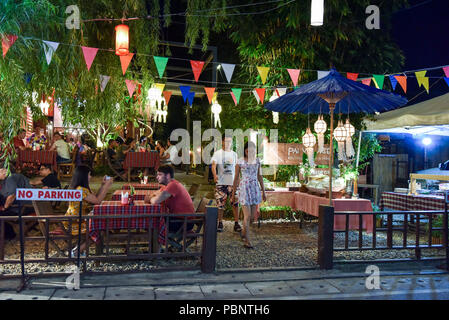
(193, 190)
(65, 170)
(175, 239)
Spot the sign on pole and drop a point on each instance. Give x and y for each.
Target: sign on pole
(49, 195)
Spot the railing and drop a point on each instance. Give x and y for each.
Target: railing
(205, 228)
(326, 233)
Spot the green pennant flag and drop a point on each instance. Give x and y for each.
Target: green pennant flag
(161, 63)
(379, 80)
(237, 93)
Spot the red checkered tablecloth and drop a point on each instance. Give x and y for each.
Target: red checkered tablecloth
(138, 186)
(139, 195)
(405, 202)
(110, 208)
(40, 157)
(142, 160)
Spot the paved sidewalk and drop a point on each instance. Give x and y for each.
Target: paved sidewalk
(397, 281)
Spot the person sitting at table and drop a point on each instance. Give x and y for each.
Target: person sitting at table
(142, 145)
(9, 184)
(47, 178)
(80, 181)
(151, 143)
(173, 194)
(169, 154)
(37, 139)
(62, 149)
(18, 140)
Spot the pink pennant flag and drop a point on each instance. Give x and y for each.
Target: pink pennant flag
(125, 61)
(7, 42)
(352, 76)
(233, 97)
(197, 67)
(131, 85)
(366, 81)
(167, 96)
(294, 75)
(89, 55)
(446, 71)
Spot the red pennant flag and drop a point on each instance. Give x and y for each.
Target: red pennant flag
(197, 67)
(403, 82)
(125, 61)
(131, 85)
(7, 42)
(233, 97)
(89, 55)
(210, 93)
(446, 71)
(167, 96)
(294, 75)
(352, 76)
(366, 82)
(261, 94)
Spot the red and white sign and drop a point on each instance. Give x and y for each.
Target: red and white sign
(49, 195)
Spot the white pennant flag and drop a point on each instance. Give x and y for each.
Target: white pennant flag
(257, 96)
(50, 47)
(228, 70)
(103, 82)
(281, 91)
(322, 74)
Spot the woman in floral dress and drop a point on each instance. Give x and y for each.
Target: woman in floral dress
(250, 186)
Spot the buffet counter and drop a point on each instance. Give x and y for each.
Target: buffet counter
(405, 202)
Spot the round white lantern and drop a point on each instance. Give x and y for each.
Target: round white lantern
(309, 141)
(340, 135)
(320, 127)
(350, 130)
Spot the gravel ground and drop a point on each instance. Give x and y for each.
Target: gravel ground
(276, 244)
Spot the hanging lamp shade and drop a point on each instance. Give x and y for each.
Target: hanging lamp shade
(121, 40)
(320, 127)
(308, 140)
(340, 135)
(350, 130)
(317, 13)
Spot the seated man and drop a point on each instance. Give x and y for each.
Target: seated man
(47, 178)
(9, 184)
(62, 149)
(18, 140)
(176, 197)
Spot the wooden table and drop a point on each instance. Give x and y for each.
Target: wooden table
(139, 195)
(37, 157)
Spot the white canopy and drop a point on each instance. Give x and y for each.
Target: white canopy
(429, 117)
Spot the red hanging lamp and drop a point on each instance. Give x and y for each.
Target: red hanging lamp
(122, 40)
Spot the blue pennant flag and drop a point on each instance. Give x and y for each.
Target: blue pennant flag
(185, 92)
(28, 77)
(190, 98)
(393, 81)
(447, 81)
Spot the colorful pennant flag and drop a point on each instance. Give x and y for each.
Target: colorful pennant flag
(161, 64)
(402, 82)
(237, 93)
(379, 80)
(131, 85)
(210, 93)
(28, 77)
(159, 86)
(263, 72)
(422, 79)
(257, 96)
(233, 97)
(190, 97)
(280, 91)
(228, 70)
(7, 43)
(125, 61)
(261, 94)
(367, 82)
(393, 81)
(322, 74)
(89, 55)
(49, 48)
(103, 82)
(185, 92)
(352, 76)
(446, 71)
(294, 75)
(197, 67)
(167, 96)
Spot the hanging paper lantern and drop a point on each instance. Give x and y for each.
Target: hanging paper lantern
(216, 109)
(340, 135)
(317, 13)
(320, 127)
(350, 130)
(309, 141)
(122, 40)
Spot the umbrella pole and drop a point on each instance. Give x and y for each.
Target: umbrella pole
(331, 151)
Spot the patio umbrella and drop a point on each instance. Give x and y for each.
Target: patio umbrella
(336, 91)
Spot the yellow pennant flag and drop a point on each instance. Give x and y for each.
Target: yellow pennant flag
(263, 71)
(422, 79)
(159, 86)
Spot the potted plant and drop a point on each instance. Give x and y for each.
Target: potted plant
(276, 212)
(437, 235)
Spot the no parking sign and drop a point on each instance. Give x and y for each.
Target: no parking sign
(49, 195)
